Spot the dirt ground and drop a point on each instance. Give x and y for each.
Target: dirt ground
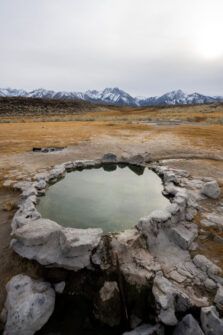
(196, 148)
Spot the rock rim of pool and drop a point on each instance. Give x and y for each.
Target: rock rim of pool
(157, 252)
(50, 244)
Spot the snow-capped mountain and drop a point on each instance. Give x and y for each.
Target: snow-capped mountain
(115, 96)
(180, 98)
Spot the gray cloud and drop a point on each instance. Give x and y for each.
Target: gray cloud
(146, 47)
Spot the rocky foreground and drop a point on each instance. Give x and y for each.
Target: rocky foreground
(152, 277)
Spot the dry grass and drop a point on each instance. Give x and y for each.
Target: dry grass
(208, 136)
(21, 137)
(202, 113)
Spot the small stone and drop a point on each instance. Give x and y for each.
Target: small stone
(169, 176)
(8, 183)
(136, 159)
(211, 189)
(40, 185)
(176, 276)
(59, 287)
(8, 206)
(109, 158)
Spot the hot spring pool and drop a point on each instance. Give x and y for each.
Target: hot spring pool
(112, 197)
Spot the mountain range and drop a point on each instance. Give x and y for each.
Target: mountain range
(116, 96)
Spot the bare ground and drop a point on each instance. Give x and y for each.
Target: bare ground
(195, 148)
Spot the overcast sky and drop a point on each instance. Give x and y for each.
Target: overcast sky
(146, 47)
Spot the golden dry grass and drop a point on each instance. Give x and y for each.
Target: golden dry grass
(21, 137)
(202, 113)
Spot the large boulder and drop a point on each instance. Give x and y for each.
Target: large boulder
(154, 222)
(210, 321)
(211, 189)
(37, 232)
(183, 236)
(170, 300)
(188, 326)
(164, 295)
(48, 243)
(28, 306)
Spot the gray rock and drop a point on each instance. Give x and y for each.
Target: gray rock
(59, 287)
(219, 298)
(40, 185)
(27, 212)
(50, 244)
(147, 329)
(85, 163)
(213, 220)
(153, 225)
(107, 308)
(57, 172)
(164, 295)
(210, 284)
(69, 166)
(211, 189)
(190, 213)
(210, 321)
(136, 159)
(203, 263)
(188, 326)
(169, 176)
(29, 305)
(109, 158)
(170, 298)
(154, 221)
(22, 185)
(76, 242)
(173, 209)
(42, 176)
(170, 189)
(208, 224)
(29, 191)
(183, 236)
(37, 232)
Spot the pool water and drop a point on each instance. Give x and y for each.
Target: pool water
(112, 197)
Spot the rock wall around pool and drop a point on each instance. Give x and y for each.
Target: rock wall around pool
(156, 255)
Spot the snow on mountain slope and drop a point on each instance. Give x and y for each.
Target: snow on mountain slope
(115, 96)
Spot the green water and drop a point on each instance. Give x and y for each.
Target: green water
(112, 198)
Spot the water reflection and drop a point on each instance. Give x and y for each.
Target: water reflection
(112, 197)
